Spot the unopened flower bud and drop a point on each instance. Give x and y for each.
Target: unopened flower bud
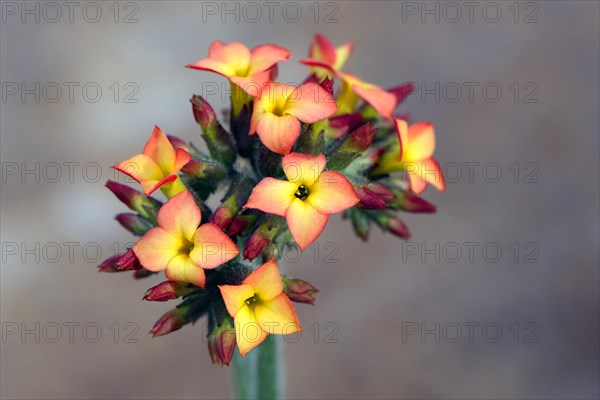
(170, 321)
(220, 143)
(369, 200)
(239, 223)
(128, 262)
(134, 223)
(221, 342)
(401, 92)
(136, 201)
(391, 223)
(108, 265)
(298, 290)
(169, 290)
(408, 201)
(339, 126)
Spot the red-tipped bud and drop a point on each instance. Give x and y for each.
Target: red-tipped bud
(220, 143)
(382, 191)
(398, 228)
(239, 223)
(171, 321)
(408, 201)
(256, 244)
(342, 124)
(369, 200)
(134, 223)
(136, 201)
(299, 291)
(361, 138)
(168, 290)
(128, 262)
(221, 343)
(209, 171)
(108, 265)
(223, 215)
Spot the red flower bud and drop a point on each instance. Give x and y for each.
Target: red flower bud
(128, 262)
(343, 124)
(108, 265)
(136, 201)
(408, 201)
(382, 191)
(168, 290)
(299, 291)
(360, 139)
(134, 223)
(398, 228)
(369, 200)
(256, 244)
(221, 343)
(171, 321)
(238, 224)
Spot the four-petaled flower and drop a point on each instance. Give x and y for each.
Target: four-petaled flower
(157, 166)
(324, 57)
(249, 69)
(259, 307)
(414, 155)
(307, 198)
(280, 109)
(322, 51)
(180, 246)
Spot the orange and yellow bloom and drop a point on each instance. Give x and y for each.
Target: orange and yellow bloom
(322, 51)
(182, 248)
(259, 307)
(307, 198)
(414, 156)
(157, 166)
(281, 108)
(249, 69)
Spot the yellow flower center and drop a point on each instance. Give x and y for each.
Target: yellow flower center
(302, 192)
(251, 300)
(186, 246)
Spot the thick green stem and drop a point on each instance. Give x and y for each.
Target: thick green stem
(259, 376)
(270, 369)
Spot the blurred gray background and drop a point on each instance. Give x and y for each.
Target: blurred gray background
(533, 308)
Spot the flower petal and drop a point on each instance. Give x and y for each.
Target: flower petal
(402, 131)
(266, 281)
(182, 157)
(272, 196)
(235, 297)
(342, 53)
(278, 134)
(277, 316)
(180, 215)
(156, 249)
(310, 103)
(161, 150)
(432, 173)
(384, 102)
(248, 333)
(422, 172)
(332, 193)
(141, 168)
(303, 168)
(253, 84)
(421, 142)
(212, 247)
(219, 67)
(183, 269)
(265, 56)
(322, 49)
(233, 54)
(305, 222)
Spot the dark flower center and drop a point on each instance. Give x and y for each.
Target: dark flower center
(302, 192)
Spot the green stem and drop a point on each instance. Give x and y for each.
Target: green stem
(270, 369)
(259, 376)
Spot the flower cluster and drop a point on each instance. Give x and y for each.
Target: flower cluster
(292, 156)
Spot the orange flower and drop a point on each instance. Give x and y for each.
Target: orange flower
(325, 60)
(307, 198)
(180, 246)
(280, 109)
(157, 166)
(322, 51)
(414, 155)
(249, 69)
(260, 307)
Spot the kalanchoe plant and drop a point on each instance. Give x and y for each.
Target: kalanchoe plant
(290, 157)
